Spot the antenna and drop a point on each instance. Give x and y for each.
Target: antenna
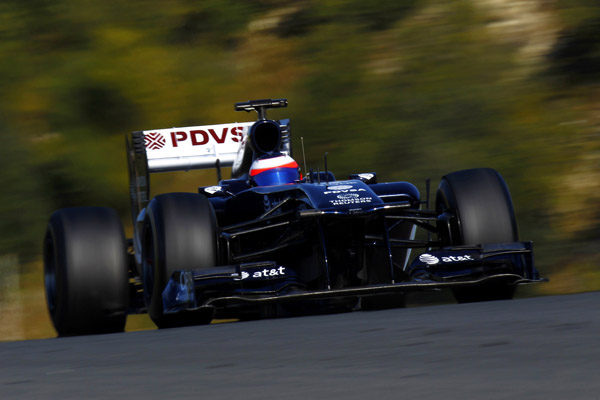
(326, 172)
(303, 155)
(427, 191)
(218, 166)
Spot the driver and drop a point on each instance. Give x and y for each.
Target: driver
(271, 170)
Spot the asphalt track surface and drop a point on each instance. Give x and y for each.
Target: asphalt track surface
(537, 348)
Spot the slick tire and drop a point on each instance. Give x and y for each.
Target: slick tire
(86, 271)
(481, 202)
(180, 232)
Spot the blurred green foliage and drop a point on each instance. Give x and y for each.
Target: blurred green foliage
(411, 89)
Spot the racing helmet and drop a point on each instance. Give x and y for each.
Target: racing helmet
(274, 170)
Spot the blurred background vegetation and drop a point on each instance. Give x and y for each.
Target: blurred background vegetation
(411, 89)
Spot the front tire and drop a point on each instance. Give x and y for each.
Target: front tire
(180, 232)
(86, 271)
(481, 203)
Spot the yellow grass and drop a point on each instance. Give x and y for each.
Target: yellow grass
(23, 305)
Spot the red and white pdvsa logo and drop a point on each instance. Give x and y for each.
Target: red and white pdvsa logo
(154, 141)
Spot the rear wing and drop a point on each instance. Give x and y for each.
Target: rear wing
(183, 149)
(194, 147)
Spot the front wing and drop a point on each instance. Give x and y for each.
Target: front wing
(268, 282)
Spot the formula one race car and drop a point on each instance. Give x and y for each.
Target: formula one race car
(270, 239)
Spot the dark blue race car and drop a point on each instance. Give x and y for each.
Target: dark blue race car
(271, 240)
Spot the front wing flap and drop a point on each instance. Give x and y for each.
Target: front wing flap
(456, 263)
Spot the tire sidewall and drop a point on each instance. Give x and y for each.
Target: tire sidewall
(57, 296)
(172, 222)
(481, 202)
(154, 271)
(85, 256)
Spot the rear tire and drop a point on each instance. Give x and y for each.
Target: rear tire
(180, 232)
(481, 202)
(86, 271)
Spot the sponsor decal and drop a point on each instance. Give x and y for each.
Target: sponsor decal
(350, 200)
(429, 259)
(213, 189)
(265, 273)
(450, 259)
(338, 183)
(219, 140)
(173, 148)
(432, 260)
(270, 202)
(200, 137)
(339, 187)
(154, 141)
(348, 196)
(337, 191)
